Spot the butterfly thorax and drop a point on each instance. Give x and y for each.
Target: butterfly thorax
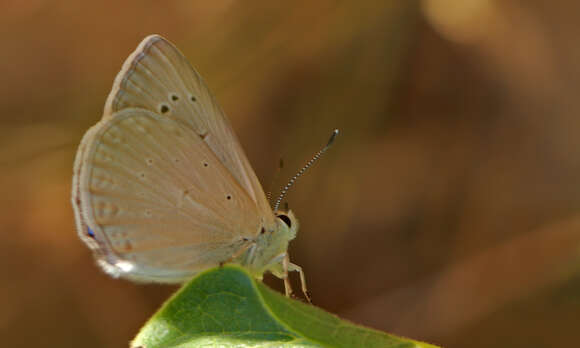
(271, 245)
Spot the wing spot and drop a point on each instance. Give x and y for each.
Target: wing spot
(149, 161)
(203, 135)
(184, 194)
(148, 213)
(176, 160)
(174, 97)
(228, 197)
(205, 164)
(164, 109)
(104, 209)
(193, 99)
(142, 175)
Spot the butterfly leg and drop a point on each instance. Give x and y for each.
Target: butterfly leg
(285, 265)
(296, 268)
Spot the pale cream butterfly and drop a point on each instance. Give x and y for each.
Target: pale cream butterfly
(162, 188)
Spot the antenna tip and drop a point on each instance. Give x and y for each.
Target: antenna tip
(331, 140)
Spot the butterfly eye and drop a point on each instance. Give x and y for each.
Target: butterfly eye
(285, 219)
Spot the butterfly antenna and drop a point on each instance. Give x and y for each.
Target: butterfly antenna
(303, 170)
(276, 174)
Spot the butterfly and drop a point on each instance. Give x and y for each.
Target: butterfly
(162, 189)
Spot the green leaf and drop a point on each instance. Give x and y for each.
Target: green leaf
(226, 307)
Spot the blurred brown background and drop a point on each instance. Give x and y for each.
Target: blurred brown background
(448, 210)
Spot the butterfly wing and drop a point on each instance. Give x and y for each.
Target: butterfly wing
(157, 77)
(154, 200)
(161, 186)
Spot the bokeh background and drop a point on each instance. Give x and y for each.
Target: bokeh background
(447, 211)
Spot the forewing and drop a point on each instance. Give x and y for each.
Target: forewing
(158, 78)
(155, 202)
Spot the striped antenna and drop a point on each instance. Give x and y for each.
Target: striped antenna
(303, 170)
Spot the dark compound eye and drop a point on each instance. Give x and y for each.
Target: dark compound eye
(286, 220)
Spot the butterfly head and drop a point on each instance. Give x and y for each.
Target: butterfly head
(272, 243)
(287, 221)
